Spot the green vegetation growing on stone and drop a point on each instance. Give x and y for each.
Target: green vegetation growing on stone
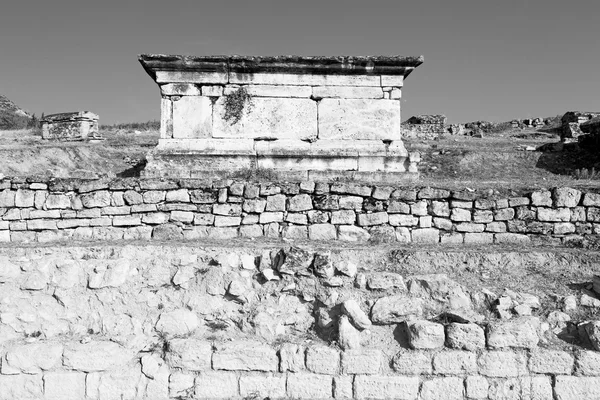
(235, 104)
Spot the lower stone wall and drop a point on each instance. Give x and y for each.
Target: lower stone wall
(423, 131)
(58, 210)
(188, 322)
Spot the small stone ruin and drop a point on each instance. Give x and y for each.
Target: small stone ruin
(571, 122)
(425, 126)
(79, 125)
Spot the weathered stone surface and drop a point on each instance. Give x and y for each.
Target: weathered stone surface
(33, 358)
(502, 364)
(95, 356)
(179, 322)
(544, 361)
(449, 388)
(520, 332)
(263, 386)
(395, 309)
(192, 117)
(425, 334)
(291, 358)
(413, 362)
(359, 119)
(351, 233)
(64, 386)
(386, 387)
(363, 361)
(22, 387)
(191, 354)
(477, 387)
(309, 386)
(273, 118)
(358, 317)
(245, 356)
(572, 388)
(216, 385)
(566, 197)
(465, 336)
(322, 360)
(455, 362)
(592, 329)
(587, 363)
(348, 335)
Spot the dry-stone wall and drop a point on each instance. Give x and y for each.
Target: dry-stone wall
(142, 209)
(159, 322)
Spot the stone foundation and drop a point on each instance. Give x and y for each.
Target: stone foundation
(70, 126)
(201, 322)
(287, 113)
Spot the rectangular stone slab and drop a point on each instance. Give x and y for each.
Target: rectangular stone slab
(192, 117)
(304, 79)
(272, 118)
(359, 119)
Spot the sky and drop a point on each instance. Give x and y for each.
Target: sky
(484, 59)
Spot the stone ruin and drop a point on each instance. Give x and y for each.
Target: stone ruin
(300, 116)
(425, 126)
(81, 125)
(571, 122)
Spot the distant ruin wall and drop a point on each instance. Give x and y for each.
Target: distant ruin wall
(187, 209)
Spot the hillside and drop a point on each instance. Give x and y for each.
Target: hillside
(12, 116)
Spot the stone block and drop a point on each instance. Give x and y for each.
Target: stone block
(449, 388)
(126, 220)
(542, 198)
(470, 227)
(25, 198)
(587, 363)
(479, 238)
(395, 309)
(287, 79)
(300, 202)
(190, 354)
(455, 362)
(419, 208)
(386, 387)
(502, 364)
(591, 200)
(227, 209)
(440, 208)
(291, 358)
(192, 117)
(179, 322)
(41, 224)
(295, 232)
(351, 203)
(477, 387)
(460, 215)
(272, 118)
(323, 360)
(396, 206)
(351, 233)
(95, 356)
(32, 358)
(7, 198)
(343, 217)
(99, 198)
(575, 388)
(263, 386)
(512, 238)
(347, 92)
(504, 214)
(245, 356)
(216, 385)
(359, 119)
(64, 386)
(376, 218)
(553, 215)
(223, 221)
(483, 216)
(21, 387)
(361, 361)
(309, 386)
(322, 232)
(413, 362)
(566, 197)
(543, 361)
(181, 384)
(426, 235)
(425, 334)
(519, 332)
(403, 220)
(496, 227)
(343, 387)
(465, 336)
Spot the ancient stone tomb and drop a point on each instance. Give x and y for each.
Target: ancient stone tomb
(79, 125)
(287, 113)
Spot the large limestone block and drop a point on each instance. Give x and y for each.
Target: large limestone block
(245, 356)
(190, 77)
(268, 118)
(32, 358)
(304, 79)
(192, 117)
(347, 92)
(22, 387)
(386, 387)
(95, 356)
(359, 119)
